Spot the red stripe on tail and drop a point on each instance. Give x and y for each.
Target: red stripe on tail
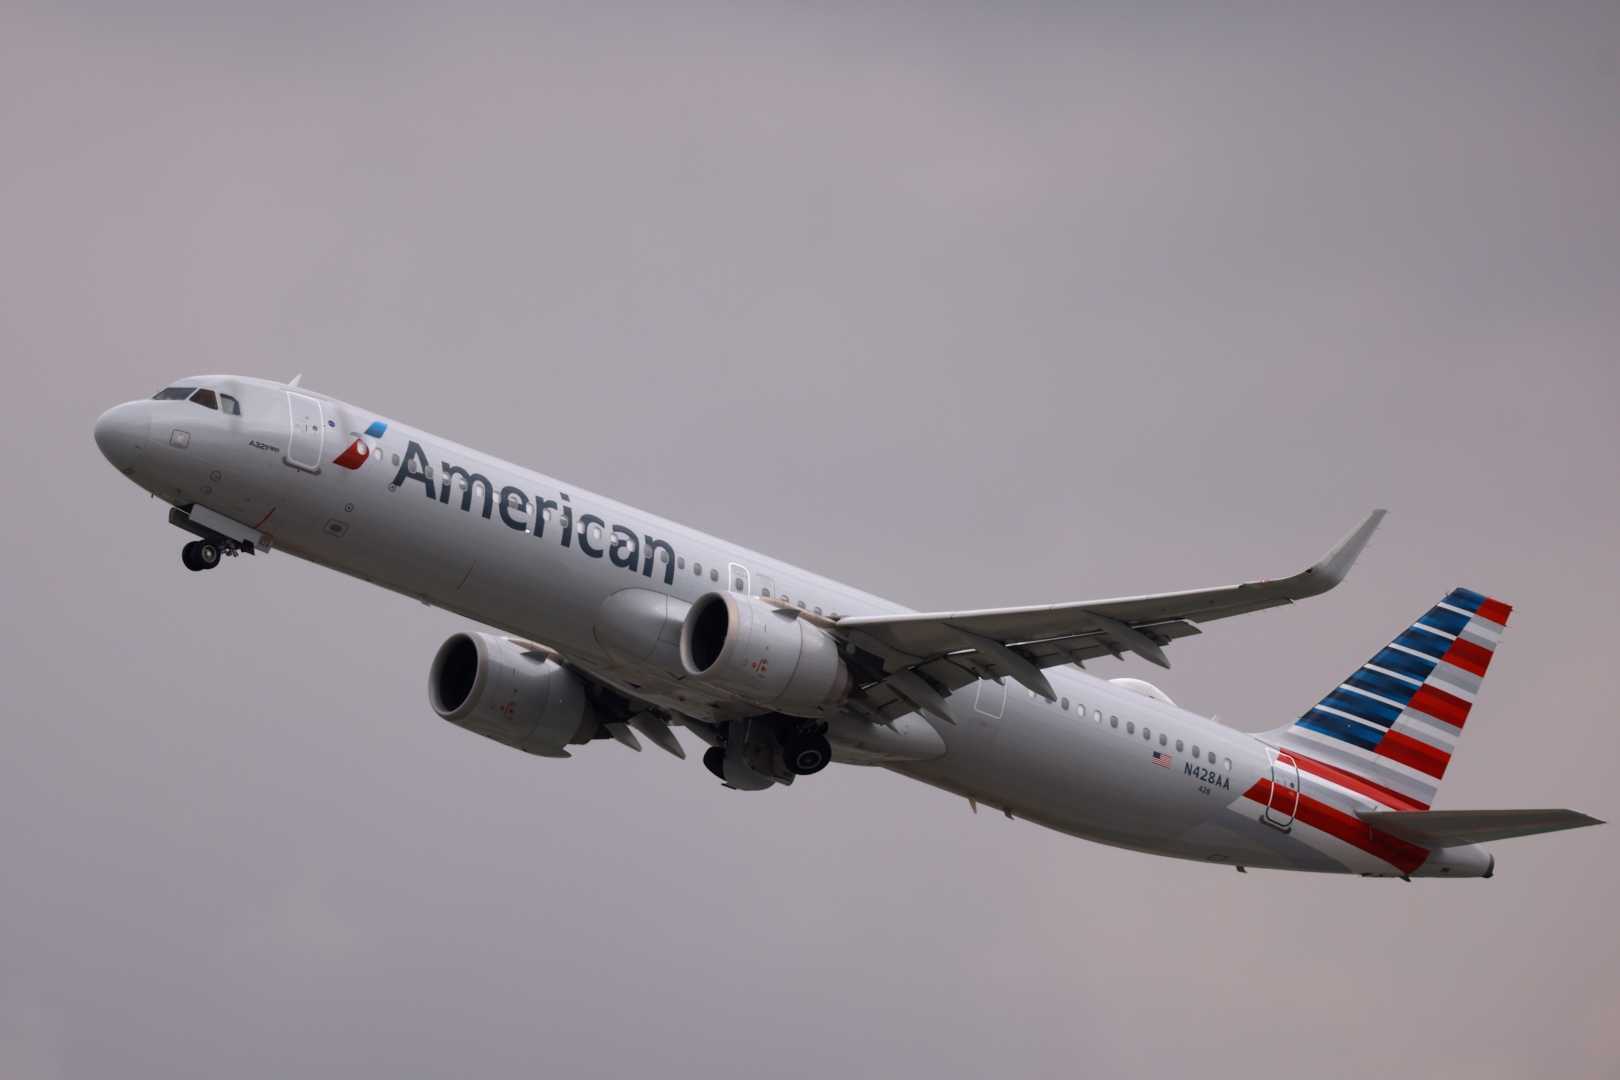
(1359, 784)
(1409, 751)
(1468, 656)
(1352, 830)
(1434, 702)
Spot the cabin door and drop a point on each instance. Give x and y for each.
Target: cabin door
(308, 431)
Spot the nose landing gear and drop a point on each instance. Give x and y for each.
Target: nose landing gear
(205, 552)
(200, 555)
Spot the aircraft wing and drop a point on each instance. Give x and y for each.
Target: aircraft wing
(953, 648)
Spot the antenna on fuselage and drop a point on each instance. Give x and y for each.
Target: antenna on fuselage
(296, 379)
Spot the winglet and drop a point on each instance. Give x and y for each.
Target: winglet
(1332, 567)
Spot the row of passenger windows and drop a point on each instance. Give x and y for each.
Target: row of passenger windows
(1198, 753)
(200, 396)
(740, 584)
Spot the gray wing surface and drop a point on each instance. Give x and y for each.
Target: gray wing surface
(926, 656)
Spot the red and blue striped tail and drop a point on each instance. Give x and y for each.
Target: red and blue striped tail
(1389, 730)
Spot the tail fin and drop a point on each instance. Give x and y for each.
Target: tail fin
(1389, 730)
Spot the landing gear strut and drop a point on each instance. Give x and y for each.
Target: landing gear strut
(200, 555)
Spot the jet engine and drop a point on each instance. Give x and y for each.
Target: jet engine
(510, 693)
(764, 655)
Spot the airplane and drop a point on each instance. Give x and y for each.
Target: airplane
(615, 625)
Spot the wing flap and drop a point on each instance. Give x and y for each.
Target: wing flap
(1449, 828)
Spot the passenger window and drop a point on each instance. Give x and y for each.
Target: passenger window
(1099, 716)
(173, 393)
(1130, 727)
(714, 575)
(1113, 721)
(227, 404)
(1146, 734)
(1065, 704)
(801, 605)
(818, 611)
(697, 568)
(1178, 746)
(1196, 754)
(680, 563)
(1226, 764)
(206, 399)
(1162, 740)
(1212, 757)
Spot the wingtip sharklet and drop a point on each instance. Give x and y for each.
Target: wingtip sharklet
(1333, 567)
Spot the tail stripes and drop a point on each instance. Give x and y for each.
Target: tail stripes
(1388, 731)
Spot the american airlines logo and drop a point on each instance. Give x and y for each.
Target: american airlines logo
(521, 512)
(359, 451)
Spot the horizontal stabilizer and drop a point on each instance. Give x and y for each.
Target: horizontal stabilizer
(1450, 828)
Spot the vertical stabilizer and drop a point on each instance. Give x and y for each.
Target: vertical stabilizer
(1388, 731)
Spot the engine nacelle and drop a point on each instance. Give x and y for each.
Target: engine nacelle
(764, 655)
(499, 689)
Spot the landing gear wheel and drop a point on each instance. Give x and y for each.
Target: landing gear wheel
(200, 555)
(807, 754)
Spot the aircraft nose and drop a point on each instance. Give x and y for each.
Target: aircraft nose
(121, 434)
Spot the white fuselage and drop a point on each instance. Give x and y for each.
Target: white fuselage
(543, 564)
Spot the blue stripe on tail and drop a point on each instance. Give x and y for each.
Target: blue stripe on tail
(1339, 728)
(1397, 690)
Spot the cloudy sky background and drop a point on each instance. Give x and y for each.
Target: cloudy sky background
(965, 308)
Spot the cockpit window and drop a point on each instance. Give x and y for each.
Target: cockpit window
(174, 393)
(227, 404)
(205, 398)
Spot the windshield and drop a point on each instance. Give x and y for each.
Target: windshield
(203, 396)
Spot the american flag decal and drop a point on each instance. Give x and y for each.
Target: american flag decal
(1161, 759)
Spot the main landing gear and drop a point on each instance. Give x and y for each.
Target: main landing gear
(806, 752)
(753, 754)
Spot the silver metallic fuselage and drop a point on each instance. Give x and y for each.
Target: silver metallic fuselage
(1065, 765)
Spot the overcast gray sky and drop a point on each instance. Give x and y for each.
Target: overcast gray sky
(963, 307)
